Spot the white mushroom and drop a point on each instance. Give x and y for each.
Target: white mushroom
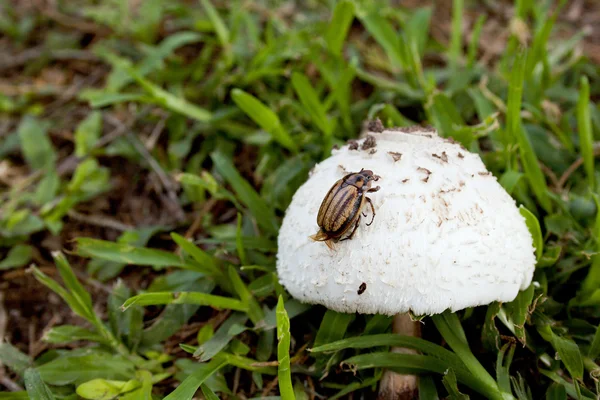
(446, 235)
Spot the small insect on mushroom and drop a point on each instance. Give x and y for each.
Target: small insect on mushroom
(342, 207)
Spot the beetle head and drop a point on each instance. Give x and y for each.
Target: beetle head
(368, 175)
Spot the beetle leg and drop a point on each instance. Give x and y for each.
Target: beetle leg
(353, 230)
(372, 209)
(373, 189)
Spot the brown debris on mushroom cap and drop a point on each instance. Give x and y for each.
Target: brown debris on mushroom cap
(395, 155)
(369, 143)
(375, 126)
(443, 157)
(428, 172)
(413, 129)
(352, 144)
(362, 288)
(450, 139)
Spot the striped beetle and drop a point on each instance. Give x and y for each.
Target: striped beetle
(341, 208)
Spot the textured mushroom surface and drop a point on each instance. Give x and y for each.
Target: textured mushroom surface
(446, 235)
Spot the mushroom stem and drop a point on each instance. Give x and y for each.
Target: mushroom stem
(394, 385)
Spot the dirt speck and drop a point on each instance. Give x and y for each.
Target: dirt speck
(449, 190)
(395, 155)
(369, 143)
(362, 288)
(460, 155)
(405, 180)
(450, 139)
(335, 147)
(352, 144)
(484, 173)
(375, 126)
(413, 129)
(426, 171)
(443, 157)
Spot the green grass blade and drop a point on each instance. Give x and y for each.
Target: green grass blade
(220, 29)
(343, 14)
(509, 180)
(247, 364)
(202, 299)
(357, 385)
(190, 385)
(515, 95)
(384, 34)
(264, 117)
(99, 99)
(78, 367)
(203, 258)
(255, 312)
(14, 359)
(230, 328)
(417, 29)
(87, 133)
(217, 23)
(172, 102)
(569, 354)
(540, 42)
(534, 228)
(594, 351)
(569, 387)
(474, 43)
(333, 327)
(415, 364)
(72, 283)
(519, 310)
(69, 333)
(449, 327)
(427, 389)
(20, 395)
(286, 388)
(394, 340)
(127, 254)
(455, 51)
(36, 388)
(586, 138)
(517, 135)
(208, 393)
(309, 99)
(35, 144)
(406, 363)
(556, 392)
(239, 243)
(17, 256)
(246, 193)
(503, 367)
(73, 303)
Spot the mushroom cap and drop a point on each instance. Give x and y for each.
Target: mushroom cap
(446, 235)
